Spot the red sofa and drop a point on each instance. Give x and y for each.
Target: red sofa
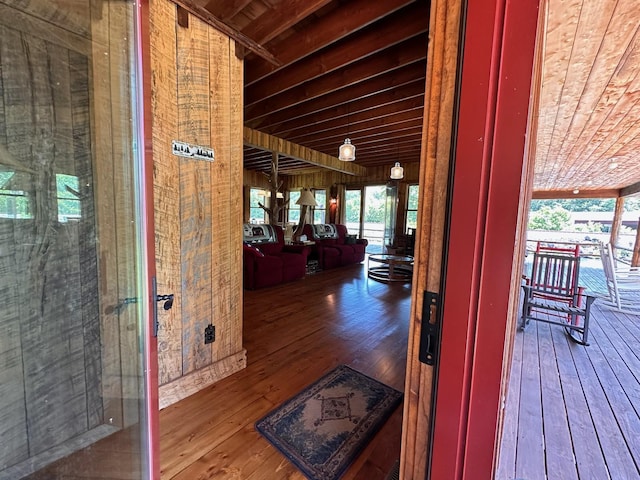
(334, 246)
(267, 260)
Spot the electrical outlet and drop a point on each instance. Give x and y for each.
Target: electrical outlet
(209, 334)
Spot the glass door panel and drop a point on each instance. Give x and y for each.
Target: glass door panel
(374, 217)
(72, 270)
(353, 211)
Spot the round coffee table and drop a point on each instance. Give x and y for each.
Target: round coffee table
(384, 267)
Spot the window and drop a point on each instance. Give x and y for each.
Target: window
(14, 202)
(256, 214)
(293, 214)
(320, 210)
(68, 196)
(412, 208)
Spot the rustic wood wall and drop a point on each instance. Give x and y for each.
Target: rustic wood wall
(197, 98)
(69, 358)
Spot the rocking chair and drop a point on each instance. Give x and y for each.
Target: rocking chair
(552, 295)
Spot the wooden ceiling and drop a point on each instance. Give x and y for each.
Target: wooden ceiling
(317, 71)
(589, 101)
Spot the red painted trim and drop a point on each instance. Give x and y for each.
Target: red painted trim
(509, 142)
(151, 342)
(483, 219)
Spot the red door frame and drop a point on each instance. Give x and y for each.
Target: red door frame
(151, 422)
(498, 56)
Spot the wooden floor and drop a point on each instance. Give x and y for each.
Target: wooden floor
(573, 412)
(293, 334)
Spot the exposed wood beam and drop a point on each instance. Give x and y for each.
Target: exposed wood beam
(374, 126)
(405, 53)
(630, 190)
(268, 142)
(396, 29)
(287, 14)
(386, 83)
(326, 30)
(564, 194)
(399, 99)
(207, 17)
(227, 9)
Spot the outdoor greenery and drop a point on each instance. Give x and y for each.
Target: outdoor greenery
(554, 218)
(631, 204)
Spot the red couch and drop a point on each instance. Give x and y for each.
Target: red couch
(334, 246)
(267, 260)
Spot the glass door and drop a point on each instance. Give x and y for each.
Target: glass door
(73, 268)
(374, 217)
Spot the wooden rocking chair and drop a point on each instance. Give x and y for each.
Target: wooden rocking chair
(552, 295)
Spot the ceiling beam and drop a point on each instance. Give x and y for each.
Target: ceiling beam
(398, 28)
(402, 54)
(207, 17)
(280, 146)
(387, 83)
(630, 190)
(402, 98)
(568, 194)
(286, 14)
(324, 31)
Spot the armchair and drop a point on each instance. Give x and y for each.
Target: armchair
(267, 260)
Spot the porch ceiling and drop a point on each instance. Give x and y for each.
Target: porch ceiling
(317, 71)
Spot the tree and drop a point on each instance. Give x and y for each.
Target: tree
(553, 218)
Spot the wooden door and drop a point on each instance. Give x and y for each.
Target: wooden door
(73, 268)
(472, 184)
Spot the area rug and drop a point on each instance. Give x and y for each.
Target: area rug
(324, 427)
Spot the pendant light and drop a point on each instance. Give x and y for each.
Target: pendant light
(397, 172)
(347, 151)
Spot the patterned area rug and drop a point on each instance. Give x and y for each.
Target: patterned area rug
(323, 428)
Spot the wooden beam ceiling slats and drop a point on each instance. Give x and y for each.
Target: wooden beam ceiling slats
(205, 15)
(401, 55)
(402, 76)
(413, 108)
(335, 82)
(289, 149)
(592, 103)
(377, 127)
(399, 99)
(590, 97)
(226, 10)
(395, 30)
(277, 20)
(630, 190)
(326, 30)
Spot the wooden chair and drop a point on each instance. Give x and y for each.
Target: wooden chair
(623, 285)
(552, 295)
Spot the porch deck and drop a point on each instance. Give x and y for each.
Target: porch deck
(573, 412)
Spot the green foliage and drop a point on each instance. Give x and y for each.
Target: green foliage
(587, 204)
(590, 227)
(353, 198)
(553, 218)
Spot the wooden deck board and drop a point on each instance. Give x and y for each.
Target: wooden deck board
(587, 398)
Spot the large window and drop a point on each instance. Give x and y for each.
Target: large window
(256, 214)
(320, 210)
(353, 210)
(412, 208)
(293, 214)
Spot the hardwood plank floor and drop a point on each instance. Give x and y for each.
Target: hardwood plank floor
(573, 412)
(293, 334)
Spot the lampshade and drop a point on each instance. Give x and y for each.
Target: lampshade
(347, 151)
(397, 172)
(306, 198)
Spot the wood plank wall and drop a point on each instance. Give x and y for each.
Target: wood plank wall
(53, 354)
(197, 98)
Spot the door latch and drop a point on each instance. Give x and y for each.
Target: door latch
(168, 303)
(430, 332)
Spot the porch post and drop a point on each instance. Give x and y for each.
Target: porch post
(635, 259)
(617, 221)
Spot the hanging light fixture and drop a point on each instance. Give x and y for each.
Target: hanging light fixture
(347, 151)
(397, 172)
